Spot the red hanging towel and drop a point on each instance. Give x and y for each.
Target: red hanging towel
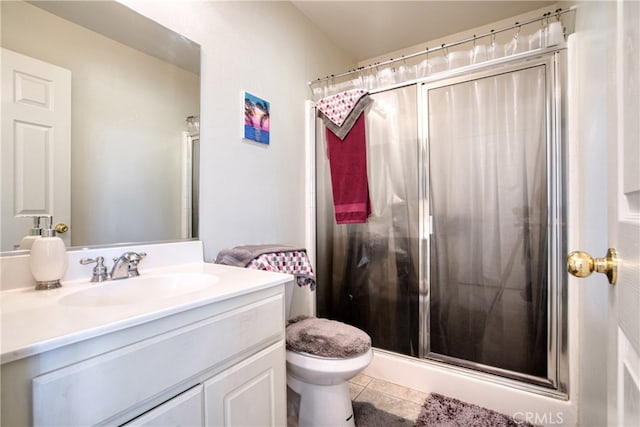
(348, 164)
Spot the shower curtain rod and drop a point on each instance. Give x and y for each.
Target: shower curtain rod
(428, 50)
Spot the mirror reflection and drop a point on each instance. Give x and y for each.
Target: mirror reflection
(130, 130)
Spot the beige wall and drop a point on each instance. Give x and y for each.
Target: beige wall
(128, 114)
(251, 193)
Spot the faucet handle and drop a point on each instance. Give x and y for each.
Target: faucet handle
(99, 271)
(136, 257)
(132, 257)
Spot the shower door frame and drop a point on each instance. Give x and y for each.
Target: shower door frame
(555, 58)
(556, 383)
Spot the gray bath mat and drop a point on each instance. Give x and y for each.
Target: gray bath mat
(367, 415)
(442, 411)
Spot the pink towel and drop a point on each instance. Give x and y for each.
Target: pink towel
(337, 107)
(348, 164)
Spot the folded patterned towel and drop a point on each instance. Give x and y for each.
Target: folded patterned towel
(278, 258)
(337, 107)
(342, 130)
(240, 256)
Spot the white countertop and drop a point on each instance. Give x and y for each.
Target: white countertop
(35, 321)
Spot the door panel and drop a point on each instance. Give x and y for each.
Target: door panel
(624, 220)
(494, 181)
(36, 144)
(250, 393)
(183, 410)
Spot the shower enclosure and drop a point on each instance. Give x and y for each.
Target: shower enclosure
(461, 261)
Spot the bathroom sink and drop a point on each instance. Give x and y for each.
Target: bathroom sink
(140, 289)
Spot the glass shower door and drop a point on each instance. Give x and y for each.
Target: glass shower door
(490, 190)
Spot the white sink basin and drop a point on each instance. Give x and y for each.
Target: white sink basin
(140, 289)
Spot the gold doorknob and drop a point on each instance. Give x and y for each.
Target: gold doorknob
(581, 264)
(61, 228)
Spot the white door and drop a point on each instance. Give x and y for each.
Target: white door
(36, 140)
(624, 222)
(607, 152)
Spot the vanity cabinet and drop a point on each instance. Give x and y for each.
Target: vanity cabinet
(221, 364)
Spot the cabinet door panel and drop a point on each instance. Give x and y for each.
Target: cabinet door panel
(183, 410)
(252, 393)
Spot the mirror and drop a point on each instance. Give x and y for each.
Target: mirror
(134, 83)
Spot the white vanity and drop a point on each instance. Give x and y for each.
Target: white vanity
(200, 344)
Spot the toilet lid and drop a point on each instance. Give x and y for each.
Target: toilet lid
(326, 338)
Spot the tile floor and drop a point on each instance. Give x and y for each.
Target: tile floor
(386, 396)
(392, 398)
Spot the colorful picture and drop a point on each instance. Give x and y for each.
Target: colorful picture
(256, 118)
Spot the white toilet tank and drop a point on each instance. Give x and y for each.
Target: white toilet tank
(299, 300)
(288, 298)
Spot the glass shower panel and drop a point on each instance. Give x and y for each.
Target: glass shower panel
(368, 273)
(488, 250)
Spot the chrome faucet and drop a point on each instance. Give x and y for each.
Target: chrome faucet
(126, 265)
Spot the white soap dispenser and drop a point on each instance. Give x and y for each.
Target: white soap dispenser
(48, 257)
(34, 233)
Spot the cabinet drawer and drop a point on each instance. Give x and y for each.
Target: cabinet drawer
(115, 383)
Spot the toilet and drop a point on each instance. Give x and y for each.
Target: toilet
(322, 356)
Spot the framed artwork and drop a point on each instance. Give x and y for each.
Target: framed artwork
(256, 118)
